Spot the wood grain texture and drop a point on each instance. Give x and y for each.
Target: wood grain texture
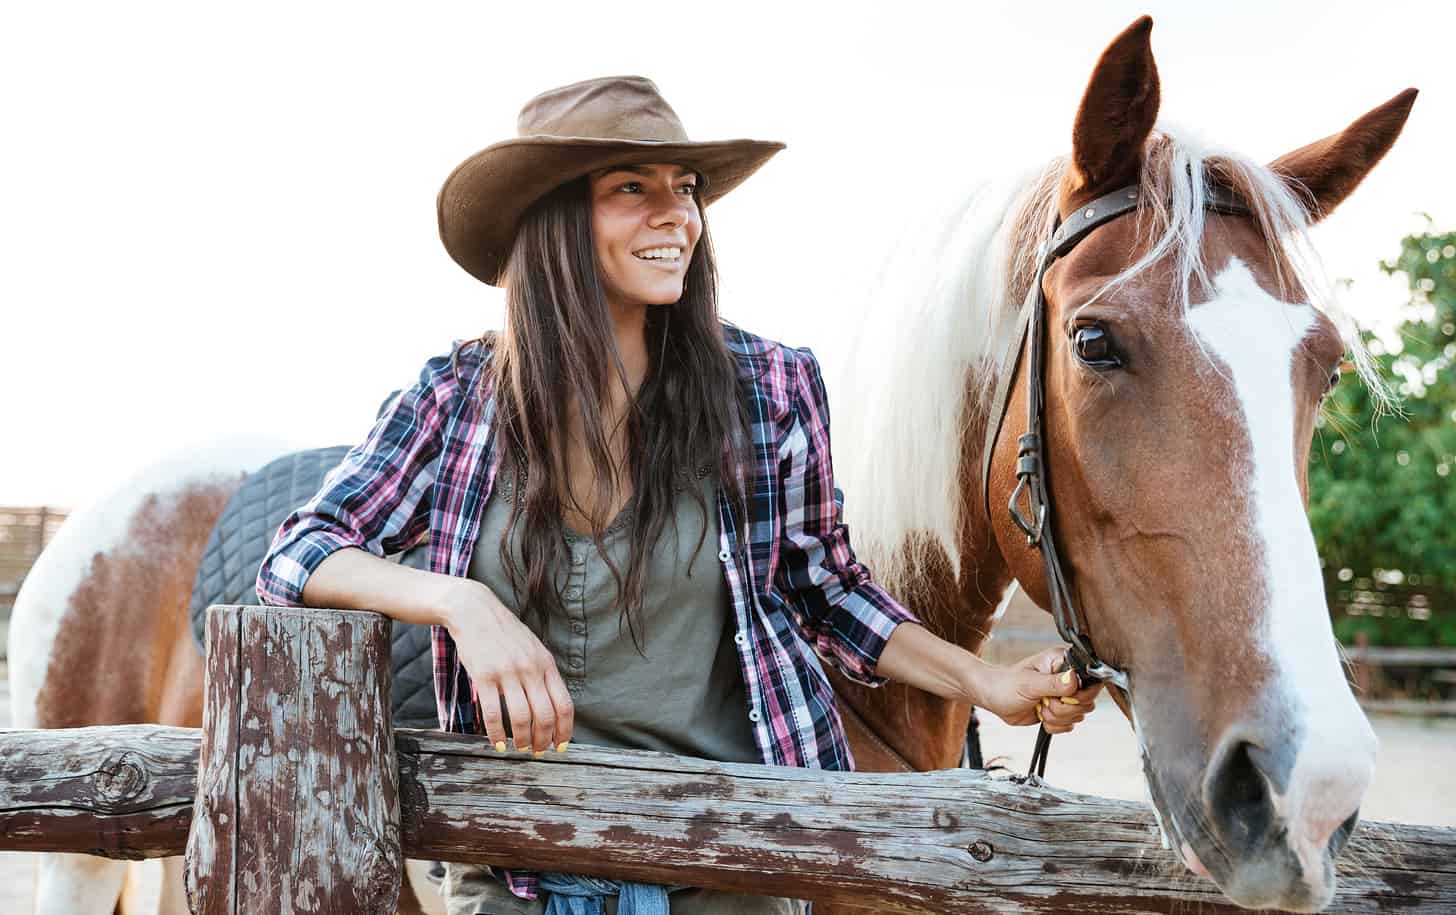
(298, 796)
(123, 791)
(951, 841)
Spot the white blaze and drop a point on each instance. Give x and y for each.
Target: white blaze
(1255, 337)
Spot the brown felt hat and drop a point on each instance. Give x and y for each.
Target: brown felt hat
(564, 134)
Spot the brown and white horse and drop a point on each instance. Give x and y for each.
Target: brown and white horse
(1177, 457)
(1187, 359)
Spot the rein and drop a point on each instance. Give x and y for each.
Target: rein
(1030, 503)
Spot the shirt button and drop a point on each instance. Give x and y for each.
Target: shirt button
(578, 559)
(740, 638)
(578, 628)
(576, 663)
(753, 715)
(724, 556)
(573, 594)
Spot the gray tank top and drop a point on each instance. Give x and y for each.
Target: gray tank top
(686, 696)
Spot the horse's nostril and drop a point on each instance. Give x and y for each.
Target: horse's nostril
(1238, 799)
(1342, 834)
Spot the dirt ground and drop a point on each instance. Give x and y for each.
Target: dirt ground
(1414, 782)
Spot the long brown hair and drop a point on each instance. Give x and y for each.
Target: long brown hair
(558, 349)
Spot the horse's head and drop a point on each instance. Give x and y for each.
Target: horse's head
(1186, 365)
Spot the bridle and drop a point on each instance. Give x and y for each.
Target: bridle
(1030, 503)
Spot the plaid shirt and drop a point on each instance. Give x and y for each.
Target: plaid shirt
(798, 592)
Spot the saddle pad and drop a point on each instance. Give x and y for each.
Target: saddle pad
(241, 537)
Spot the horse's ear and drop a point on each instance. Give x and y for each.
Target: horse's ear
(1325, 172)
(1116, 115)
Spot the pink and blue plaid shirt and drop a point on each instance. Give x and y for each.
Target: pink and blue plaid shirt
(798, 593)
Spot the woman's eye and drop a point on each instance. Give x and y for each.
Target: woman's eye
(631, 187)
(1094, 347)
(689, 189)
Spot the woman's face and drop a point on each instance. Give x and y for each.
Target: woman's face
(645, 225)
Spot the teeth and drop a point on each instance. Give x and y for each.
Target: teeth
(670, 254)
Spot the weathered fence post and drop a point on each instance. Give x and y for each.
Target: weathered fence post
(297, 804)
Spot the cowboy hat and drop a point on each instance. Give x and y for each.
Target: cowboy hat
(563, 134)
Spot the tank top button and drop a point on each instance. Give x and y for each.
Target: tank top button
(753, 715)
(724, 556)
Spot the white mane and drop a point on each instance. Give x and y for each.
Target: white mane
(937, 316)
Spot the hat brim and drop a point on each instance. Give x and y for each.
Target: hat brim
(482, 200)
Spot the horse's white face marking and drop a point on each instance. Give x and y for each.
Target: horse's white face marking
(46, 595)
(1255, 336)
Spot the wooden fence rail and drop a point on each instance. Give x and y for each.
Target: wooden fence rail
(945, 842)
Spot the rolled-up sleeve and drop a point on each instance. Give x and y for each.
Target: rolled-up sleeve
(834, 602)
(378, 498)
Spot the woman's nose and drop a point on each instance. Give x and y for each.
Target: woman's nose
(672, 210)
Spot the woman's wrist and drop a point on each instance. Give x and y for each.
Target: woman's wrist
(975, 679)
(456, 600)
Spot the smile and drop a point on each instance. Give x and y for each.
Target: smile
(665, 256)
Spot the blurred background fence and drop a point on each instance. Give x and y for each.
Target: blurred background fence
(24, 532)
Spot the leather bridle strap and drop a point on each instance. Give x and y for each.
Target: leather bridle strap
(1031, 490)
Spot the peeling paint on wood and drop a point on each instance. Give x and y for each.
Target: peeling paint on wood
(282, 829)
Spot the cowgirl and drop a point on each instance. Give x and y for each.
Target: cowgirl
(635, 538)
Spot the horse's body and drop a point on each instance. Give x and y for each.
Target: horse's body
(1177, 476)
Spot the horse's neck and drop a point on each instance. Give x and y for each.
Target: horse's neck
(924, 730)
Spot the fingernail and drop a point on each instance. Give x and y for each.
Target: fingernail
(561, 747)
(1071, 700)
(500, 746)
(1038, 714)
(523, 749)
(539, 753)
(1067, 677)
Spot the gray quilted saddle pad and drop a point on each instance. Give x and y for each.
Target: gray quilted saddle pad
(241, 536)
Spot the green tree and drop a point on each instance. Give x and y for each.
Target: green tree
(1383, 488)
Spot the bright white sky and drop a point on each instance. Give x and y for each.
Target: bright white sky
(219, 219)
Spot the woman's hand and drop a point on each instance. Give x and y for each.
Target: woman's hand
(507, 662)
(1035, 690)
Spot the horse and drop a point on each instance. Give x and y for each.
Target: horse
(1188, 364)
(1188, 350)
(100, 634)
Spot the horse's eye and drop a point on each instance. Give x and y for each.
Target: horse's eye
(1094, 347)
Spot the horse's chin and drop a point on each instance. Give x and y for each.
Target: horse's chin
(1264, 872)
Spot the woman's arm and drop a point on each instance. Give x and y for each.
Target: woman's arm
(506, 661)
(1023, 693)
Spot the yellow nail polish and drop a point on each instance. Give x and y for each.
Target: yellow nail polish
(524, 749)
(561, 747)
(1067, 677)
(1071, 700)
(500, 746)
(1038, 714)
(539, 753)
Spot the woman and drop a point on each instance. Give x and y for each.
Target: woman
(650, 491)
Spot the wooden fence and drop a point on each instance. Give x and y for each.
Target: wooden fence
(24, 532)
(298, 796)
